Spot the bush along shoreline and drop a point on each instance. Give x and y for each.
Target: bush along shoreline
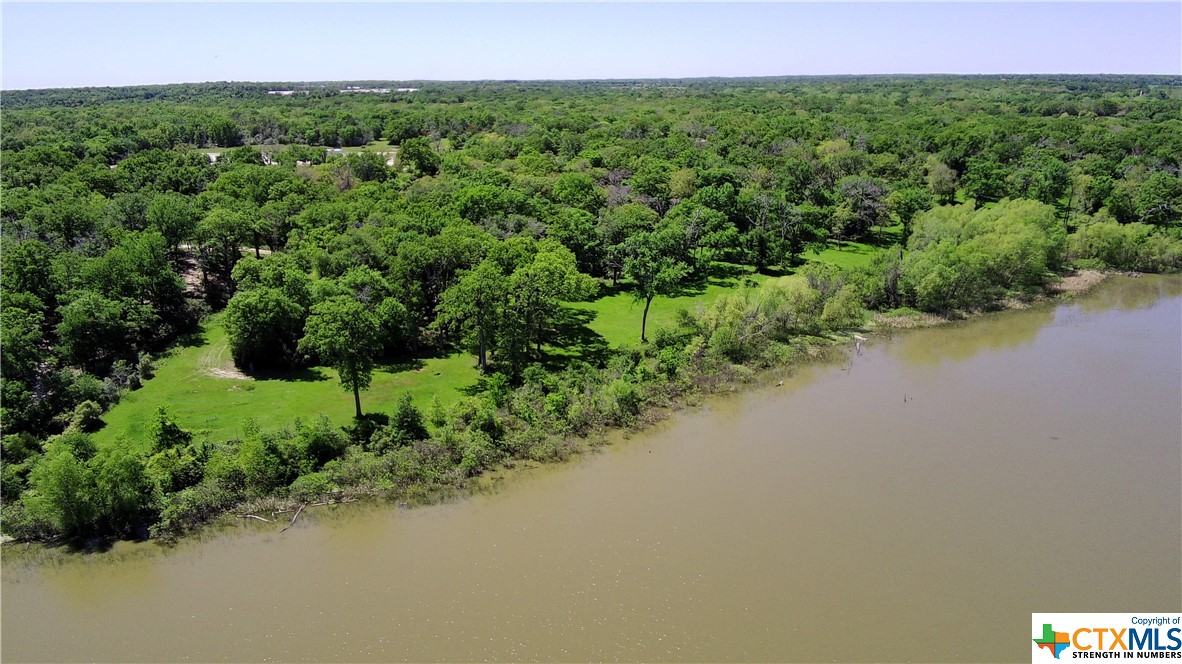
(959, 260)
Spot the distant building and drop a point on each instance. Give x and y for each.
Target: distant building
(285, 93)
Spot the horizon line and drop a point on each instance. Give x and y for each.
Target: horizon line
(602, 79)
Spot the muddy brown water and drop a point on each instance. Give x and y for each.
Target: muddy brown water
(916, 502)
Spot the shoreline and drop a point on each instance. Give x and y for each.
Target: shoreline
(737, 378)
(1073, 284)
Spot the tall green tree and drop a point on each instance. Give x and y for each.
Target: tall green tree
(219, 235)
(1159, 199)
(941, 180)
(474, 305)
(864, 200)
(653, 265)
(344, 333)
(124, 491)
(62, 491)
(536, 290)
(418, 154)
(907, 202)
(94, 331)
(264, 327)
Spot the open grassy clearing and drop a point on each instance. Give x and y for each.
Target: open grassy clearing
(372, 146)
(206, 394)
(271, 149)
(616, 316)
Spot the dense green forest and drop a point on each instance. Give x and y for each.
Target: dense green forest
(367, 231)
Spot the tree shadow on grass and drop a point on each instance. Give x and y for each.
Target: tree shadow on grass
(879, 237)
(192, 339)
(724, 275)
(305, 375)
(571, 332)
(401, 365)
(608, 290)
(478, 387)
(692, 285)
(850, 247)
(570, 338)
(776, 272)
(726, 271)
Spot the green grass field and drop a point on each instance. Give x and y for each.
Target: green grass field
(372, 146)
(616, 315)
(205, 393)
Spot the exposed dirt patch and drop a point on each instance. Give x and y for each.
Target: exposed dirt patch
(191, 273)
(220, 372)
(1079, 281)
(216, 362)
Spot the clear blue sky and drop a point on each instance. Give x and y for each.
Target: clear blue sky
(65, 45)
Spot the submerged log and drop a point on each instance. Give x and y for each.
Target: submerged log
(343, 501)
(252, 516)
(297, 515)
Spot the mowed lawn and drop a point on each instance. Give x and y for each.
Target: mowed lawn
(616, 317)
(206, 395)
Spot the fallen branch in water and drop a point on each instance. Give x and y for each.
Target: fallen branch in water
(252, 516)
(327, 502)
(297, 515)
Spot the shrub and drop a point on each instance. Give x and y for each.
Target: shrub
(176, 469)
(263, 464)
(16, 447)
(557, 403)
(165, 434)
(357, 468)
(408, 420)
(192, 507)
(438, 414)
(62, 491)
(321, 442)
(479, 453)
(87, 416)
(124, 493)
(844, 310)
(1132, 246)
(80, 444)
(309, 488)
(22, 524)
(623, 401)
